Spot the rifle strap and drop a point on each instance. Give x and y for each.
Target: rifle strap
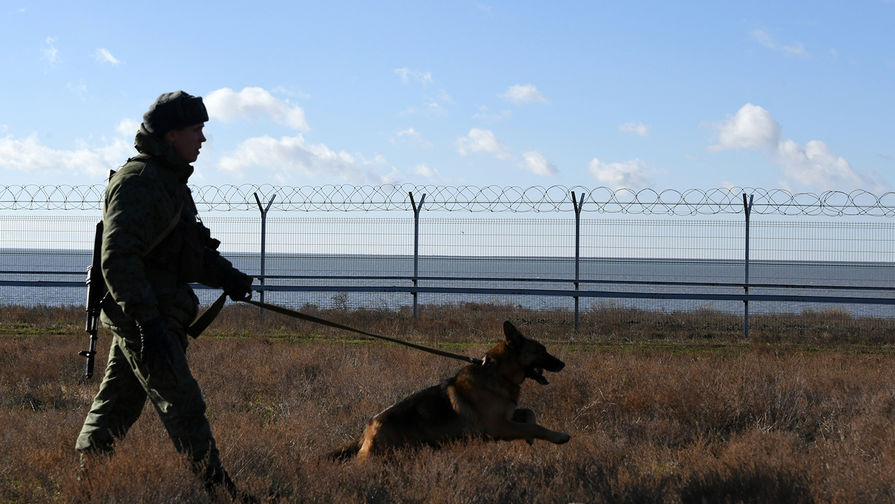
(206, 317)
(167, 231)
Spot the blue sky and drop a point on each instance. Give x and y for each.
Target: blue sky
(666, 95)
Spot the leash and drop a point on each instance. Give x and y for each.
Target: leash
(205, 319)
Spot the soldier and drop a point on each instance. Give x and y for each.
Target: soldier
(153, 245)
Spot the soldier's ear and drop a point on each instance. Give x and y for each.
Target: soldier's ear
(512, 334)
(169, 137)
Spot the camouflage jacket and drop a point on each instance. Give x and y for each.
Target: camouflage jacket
(145, 198)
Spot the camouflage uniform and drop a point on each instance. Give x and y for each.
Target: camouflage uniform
(143, 199)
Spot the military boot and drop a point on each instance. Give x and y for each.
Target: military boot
(216, 478)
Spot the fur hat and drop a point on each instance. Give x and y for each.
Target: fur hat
(174, 111)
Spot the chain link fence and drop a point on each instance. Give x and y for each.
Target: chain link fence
(556, 248)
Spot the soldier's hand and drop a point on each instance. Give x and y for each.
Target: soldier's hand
(238, 286)
(155, 343)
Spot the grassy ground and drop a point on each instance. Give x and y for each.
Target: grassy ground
(662, 407)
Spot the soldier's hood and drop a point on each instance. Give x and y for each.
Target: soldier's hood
(149, 144)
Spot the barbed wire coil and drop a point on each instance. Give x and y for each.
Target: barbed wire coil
(469, 198)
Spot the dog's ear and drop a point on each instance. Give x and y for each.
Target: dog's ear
(512, 334)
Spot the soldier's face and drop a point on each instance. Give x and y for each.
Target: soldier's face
(187, 141)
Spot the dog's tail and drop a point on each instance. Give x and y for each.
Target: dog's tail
(346, 451)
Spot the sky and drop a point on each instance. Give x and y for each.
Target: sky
(661, 95)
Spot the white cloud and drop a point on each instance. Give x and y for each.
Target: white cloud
(29, 155)
(536, 163)
(635, 128)
(485, 114)
(408, 75)
(292, 155)
(228, 105)
(79, 89)
(434, 103)
(814, 165)
(523, 94)
(479, 140)
(413, 136)
(443, 97)
(103, 55)
(628, 174)
(51, 54)
(751, 128)
(127, 127)
(438, 102)
(767, 41)
(423, 170)
(433, 107)
(409, 132)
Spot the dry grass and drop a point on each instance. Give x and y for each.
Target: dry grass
(661, 408)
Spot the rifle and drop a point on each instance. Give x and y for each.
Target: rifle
(96, 291)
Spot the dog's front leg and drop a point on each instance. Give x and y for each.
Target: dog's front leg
(524, 415)
(511, 429)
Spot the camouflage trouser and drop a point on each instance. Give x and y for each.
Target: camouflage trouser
(173, 391)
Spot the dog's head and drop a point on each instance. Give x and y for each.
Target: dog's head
(532, 355)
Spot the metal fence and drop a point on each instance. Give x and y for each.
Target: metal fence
(734, 250)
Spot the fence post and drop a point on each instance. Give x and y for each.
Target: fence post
(747, 208)
(416, 244)
(263, 240)
(577, 205)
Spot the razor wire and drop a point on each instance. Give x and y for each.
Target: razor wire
(469, 198)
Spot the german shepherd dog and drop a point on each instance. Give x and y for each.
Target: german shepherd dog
(479, 401)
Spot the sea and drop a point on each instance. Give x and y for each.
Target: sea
(32, 277)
